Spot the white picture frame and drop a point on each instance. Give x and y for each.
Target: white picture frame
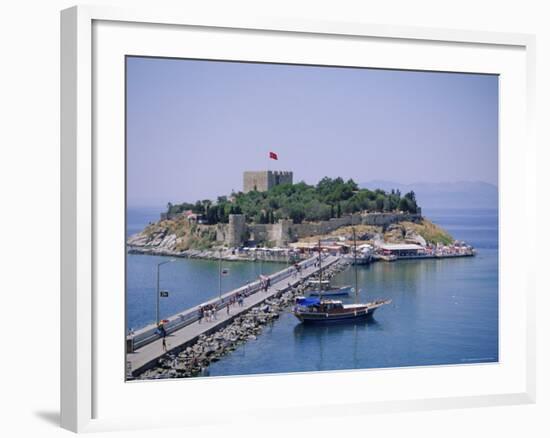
(81, 374)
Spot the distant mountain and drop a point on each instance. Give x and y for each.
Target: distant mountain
(462, 194)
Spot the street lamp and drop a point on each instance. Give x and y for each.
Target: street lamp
(220, 273)
(158, 287)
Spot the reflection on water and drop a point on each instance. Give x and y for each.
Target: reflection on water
(326, 334)
(307, 332)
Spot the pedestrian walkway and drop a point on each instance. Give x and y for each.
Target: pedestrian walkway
(146, 356)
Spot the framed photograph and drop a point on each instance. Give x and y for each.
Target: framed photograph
(306, 218)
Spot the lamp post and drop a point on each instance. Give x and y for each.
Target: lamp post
(261, 270)
(158, 287)
(220, 274)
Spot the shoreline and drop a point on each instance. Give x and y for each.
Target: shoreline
(229, 255)
(206, 255)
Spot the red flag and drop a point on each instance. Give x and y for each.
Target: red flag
(273, 156)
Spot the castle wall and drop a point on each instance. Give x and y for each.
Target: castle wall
(382, 219)
(222, 231)
(280, 234)
(260, 232)
(315, 228)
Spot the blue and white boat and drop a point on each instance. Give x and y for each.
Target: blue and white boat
(332, 292)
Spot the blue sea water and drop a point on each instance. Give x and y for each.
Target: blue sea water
(442, 311)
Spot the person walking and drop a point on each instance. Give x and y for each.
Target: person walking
(161, 330)
(201, 314)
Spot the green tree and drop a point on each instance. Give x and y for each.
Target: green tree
(403, 204)
(411, 196)
(296, 213)
(330, 197)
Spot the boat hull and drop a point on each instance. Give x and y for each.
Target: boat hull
(323, 318)
(340, 292)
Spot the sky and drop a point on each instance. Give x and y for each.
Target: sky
(194, 126)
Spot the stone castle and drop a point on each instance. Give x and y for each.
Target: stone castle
(263, 180)
(237, 232)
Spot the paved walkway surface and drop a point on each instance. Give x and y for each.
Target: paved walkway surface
(147, 355)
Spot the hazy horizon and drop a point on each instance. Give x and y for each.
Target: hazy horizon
(193, 127)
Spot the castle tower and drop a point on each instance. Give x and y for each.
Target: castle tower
(263, 180)
(236, 230)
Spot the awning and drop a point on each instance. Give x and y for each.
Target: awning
(309, 301)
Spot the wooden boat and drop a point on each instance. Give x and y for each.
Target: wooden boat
(322, 310)
(317, 310)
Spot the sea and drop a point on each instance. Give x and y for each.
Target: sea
(442, 312)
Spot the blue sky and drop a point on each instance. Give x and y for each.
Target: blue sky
(193, 127)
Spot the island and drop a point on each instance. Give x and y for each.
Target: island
(273, 219)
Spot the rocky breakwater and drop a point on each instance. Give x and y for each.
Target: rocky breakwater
(193, 360)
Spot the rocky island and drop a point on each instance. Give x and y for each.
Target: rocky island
(274, 219)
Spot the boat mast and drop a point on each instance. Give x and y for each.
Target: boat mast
(320, 273)
(355, 264)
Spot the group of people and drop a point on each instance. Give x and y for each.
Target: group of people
(238, 298)
(208, 312)
(265, 283)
